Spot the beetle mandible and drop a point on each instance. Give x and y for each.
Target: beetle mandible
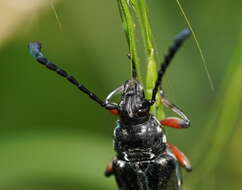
(144, 160)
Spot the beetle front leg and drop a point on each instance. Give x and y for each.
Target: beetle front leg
(109, 169)
(107, 100)
(181, 157)
(174, 122)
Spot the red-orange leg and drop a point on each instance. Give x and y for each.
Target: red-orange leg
(114, 112)
(109, 169)
(181, 157)
(175, 122)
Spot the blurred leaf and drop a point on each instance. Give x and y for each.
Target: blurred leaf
(54, 160)
(15, 13)
(224, 119)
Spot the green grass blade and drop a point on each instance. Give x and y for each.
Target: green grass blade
(129, 28)
(151, 76)
(226, 113)
(204, 62)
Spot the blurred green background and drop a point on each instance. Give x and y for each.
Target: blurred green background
(53, 137)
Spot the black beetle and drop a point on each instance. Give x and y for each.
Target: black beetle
(144, 160)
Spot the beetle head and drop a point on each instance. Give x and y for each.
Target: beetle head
(134, 108)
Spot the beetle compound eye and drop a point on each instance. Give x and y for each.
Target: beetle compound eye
(145, 105)
(143, 108)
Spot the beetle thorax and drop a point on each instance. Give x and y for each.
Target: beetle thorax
(139, 142)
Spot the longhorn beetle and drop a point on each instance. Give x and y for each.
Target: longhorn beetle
(144, 160)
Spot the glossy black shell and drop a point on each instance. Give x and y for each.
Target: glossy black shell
(161, 173)
(143, 162)
(139, 142)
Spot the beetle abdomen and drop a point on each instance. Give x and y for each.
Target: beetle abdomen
(157, 174)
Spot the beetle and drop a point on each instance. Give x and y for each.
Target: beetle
(144, 160)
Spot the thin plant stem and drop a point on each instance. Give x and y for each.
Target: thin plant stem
(151, 76)
(129, 28)
(204, 62)
(130, 11)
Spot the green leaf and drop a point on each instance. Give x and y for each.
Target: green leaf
(140, 12)
(129, 29)
(222, 123)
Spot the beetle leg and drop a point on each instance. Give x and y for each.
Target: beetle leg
(114, 111)
(174, 122)
(181, 157)
(109, 169)
(111, 94)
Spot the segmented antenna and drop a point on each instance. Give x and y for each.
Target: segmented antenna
(35, 50)
(134, 70)
(168, 57)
